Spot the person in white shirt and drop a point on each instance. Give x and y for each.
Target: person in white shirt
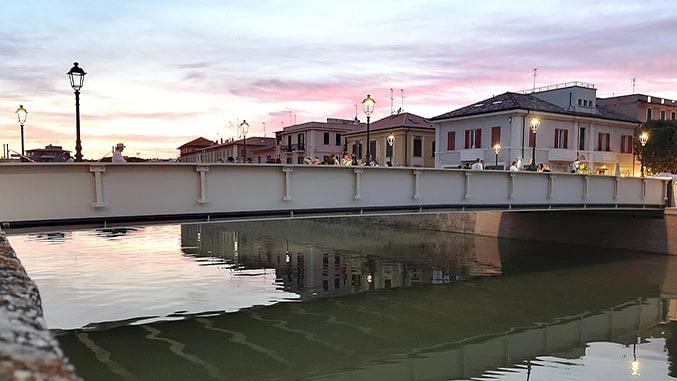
(477, 166)
(513, 167)
(117, 154)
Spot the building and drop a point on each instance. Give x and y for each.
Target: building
(47, 154)
(313, 139)
(413, 139)
(256, 149)
(641, 107)
(570, 125)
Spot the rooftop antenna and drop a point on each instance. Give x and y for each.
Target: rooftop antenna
(402, 103)
(356, 120)
(264, 129)
(535, 70)
(634, 83)
(391, 101)
(290, 122)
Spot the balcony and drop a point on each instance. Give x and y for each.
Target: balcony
(294, 147)
(611, 157)
(561, 154)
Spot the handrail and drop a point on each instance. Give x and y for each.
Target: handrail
(558, 86)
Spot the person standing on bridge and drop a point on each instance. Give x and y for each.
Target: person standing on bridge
(513, 167)
(477, 166)
(117, 154)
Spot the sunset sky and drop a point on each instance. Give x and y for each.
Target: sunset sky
(162, 72)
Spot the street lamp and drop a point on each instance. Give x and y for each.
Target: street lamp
(21, 114)
(244, 128)
(643, 138)
(368, 104)
(535, 123)
(77, 78)
(391, 141)
(497, 149)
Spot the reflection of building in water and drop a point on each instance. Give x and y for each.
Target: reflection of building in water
(315, 258)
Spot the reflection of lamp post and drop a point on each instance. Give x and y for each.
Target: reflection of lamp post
(643, 138)
(497, 149)
(391, 141)
(77, 78)
(21, 114)
(368, 104)
(244, 128)
(535, 123)
(635, 363)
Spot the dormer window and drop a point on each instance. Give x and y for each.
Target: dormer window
(580, 102)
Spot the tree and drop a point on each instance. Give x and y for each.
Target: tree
(660, 153)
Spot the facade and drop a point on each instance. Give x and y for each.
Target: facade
(257, 149)
(642, 107)
(48, 154)
(413, 143)
(573, 127)
(313, 139)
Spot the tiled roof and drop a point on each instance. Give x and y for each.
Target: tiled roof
(515, 101)
(199, 142)
(406, 120)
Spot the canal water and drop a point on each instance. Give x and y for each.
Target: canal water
(337, 299)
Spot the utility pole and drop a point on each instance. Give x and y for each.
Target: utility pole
(535, 70)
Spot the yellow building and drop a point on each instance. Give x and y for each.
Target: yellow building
(406, 140)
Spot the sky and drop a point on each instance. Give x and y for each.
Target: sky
(163, 72)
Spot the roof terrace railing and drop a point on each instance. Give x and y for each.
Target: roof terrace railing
(558, 86)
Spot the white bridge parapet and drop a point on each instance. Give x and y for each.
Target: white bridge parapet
(34, 194)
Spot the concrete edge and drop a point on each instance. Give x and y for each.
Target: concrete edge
(28, 350)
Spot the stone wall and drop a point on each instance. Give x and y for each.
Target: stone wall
(615, 230)
(28, 351)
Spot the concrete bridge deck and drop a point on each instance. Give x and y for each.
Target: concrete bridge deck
(55, 193)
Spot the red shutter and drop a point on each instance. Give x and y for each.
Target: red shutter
(566, 139)
(629, 144)
(556, 137)
(495, 136)
(532, 139)
(451, 141)
(478, 138)
(467, 139)
(623, 144)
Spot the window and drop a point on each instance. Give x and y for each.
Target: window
(299, 139)
(603, 141)
(626, 144)
(580, 102)
(451, 141)
(648, 114)
(581, 138)
(289, 160)
(299, 160)
(389, 150)
(473, 138)
(338, 139)
(561, 138)
(673, 115)
(372, 149)
(418, 146)
(495, 136)
(326, 138)
(288, 142)
(433, 149)
(357, 149)
(662, 114)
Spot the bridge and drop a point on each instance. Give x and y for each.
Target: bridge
(58, 193)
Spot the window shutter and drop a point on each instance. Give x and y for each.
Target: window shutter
(467, 139)
(599, 141)
(556, 137)
(451, 141)
(478, 138)
(495, 136)
(532, 138)
(566, 139)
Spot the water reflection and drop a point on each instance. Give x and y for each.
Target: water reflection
(206, 301)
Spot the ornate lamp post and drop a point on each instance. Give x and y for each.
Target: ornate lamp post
(643, 138)
(77, 78)
(391, 141)
(244, 128)
(535, 123)
(497, 149)
(21, 114)
(368, 104)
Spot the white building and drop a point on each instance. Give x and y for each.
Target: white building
(572, 126)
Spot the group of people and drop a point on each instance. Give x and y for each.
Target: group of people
(345, 160)
(478, 165)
